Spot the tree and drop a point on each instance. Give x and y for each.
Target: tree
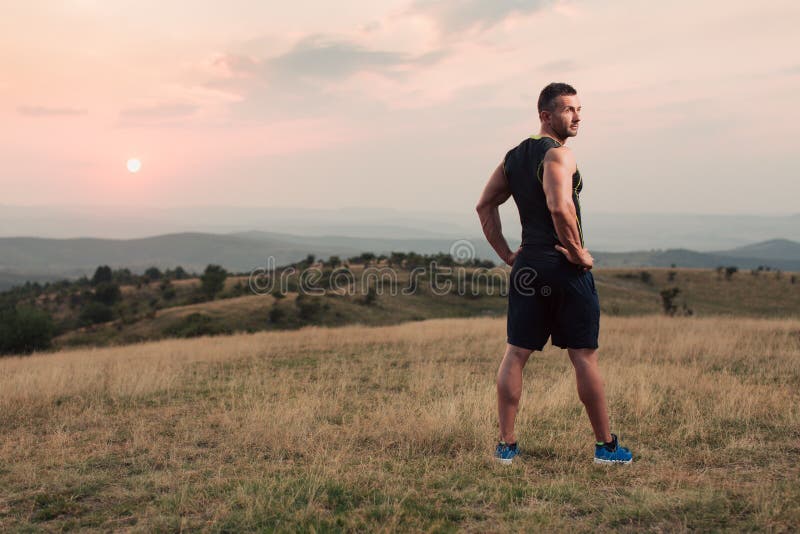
(152, 273)
(24, 330)
(108, 293)
(308, 262)
(367, 258)
(167, 289)
(180, 273)
(334, 262)
(95, 312)
(123, 276)
(667, 300)
(213, 280)
(102, 274)
(371, 297)
(396, 258)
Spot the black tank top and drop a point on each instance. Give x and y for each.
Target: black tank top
(524, 169)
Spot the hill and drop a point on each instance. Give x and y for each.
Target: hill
(177, 308)
(776, 254)
(612, 232)
(774, 249)
(28, 258)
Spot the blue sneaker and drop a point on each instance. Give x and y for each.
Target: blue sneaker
(612, 453)
(504, 452)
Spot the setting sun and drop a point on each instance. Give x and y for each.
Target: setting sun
(134, 165)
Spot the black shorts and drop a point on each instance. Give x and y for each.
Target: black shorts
(549, 296)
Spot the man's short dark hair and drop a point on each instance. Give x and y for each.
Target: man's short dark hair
(548, 96)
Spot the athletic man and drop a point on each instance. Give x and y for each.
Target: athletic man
(551, 289)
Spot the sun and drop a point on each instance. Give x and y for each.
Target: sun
(134, 165)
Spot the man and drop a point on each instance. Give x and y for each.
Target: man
(551, 289)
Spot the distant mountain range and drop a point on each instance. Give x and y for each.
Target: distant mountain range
(774, 253)
(40, 259)
(611, 232)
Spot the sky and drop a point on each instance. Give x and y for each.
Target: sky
(409, 104)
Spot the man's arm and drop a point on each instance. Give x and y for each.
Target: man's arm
(559, 166)
(495, 193)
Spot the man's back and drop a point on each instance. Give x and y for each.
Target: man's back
(523, 166)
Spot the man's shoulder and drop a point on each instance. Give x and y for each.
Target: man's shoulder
(560, 154)
(541, 148)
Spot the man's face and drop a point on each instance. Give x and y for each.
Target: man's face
(565, 118)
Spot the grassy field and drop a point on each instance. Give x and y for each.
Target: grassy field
(392, 428)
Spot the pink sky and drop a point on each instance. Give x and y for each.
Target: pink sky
(406, 104)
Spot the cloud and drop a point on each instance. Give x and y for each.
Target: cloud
(160, 111)
(320, 57)
(319, 75)
(42, 111)
(457, 16)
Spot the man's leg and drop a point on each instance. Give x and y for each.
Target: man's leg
(591, 391)
(509, 389)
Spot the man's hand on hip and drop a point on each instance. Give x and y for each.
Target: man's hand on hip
(511, 257)
(581, 257)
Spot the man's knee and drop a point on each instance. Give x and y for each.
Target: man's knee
(520, 354)
(582, 356)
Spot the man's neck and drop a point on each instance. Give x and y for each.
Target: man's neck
(549, 133)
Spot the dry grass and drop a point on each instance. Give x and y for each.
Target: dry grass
(392, 428)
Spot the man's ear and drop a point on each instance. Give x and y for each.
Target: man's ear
(544, 116)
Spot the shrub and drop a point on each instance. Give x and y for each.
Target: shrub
(213, 280)
(308, 308)
(371, 297)
(167, 290)
(194, 325)
(123, 276)
(277, 314)
(102, 274)
(94, 313)
(24, 330)
(667, 300)
(153, 273)
(107, 292)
